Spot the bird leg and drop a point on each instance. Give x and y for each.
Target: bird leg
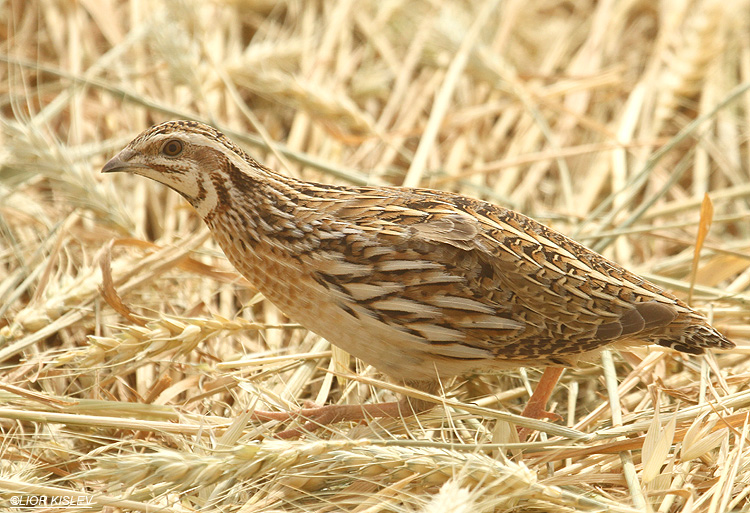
(319, 416)
(536, 408)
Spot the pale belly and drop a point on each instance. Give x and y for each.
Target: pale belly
(396, 353)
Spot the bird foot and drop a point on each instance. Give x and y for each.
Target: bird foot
(538, 412)
(535, 411)
(319, 416)
(536, 408)
(315, 416)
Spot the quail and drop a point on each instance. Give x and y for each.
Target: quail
(422, 284)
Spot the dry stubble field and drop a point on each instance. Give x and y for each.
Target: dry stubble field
(130, 350)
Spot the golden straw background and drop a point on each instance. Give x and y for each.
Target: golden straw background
(131, 351)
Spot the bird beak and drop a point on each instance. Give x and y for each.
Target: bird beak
(120, 162)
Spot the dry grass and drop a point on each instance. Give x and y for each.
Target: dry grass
(130, 351)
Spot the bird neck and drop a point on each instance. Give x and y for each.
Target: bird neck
(256, 202)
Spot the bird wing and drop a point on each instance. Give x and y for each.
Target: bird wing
(567, 282)
(453, 269)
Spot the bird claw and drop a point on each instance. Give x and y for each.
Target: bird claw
(318, 416)
(554, 417)
(541, 414)
(315, 415)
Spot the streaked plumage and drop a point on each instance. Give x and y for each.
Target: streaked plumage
(422, 284)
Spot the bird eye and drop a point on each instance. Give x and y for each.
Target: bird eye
(172, 148)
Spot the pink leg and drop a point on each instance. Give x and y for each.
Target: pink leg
(536, 408)
(324, 415)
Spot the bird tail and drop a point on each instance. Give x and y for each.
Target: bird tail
(695, 339)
